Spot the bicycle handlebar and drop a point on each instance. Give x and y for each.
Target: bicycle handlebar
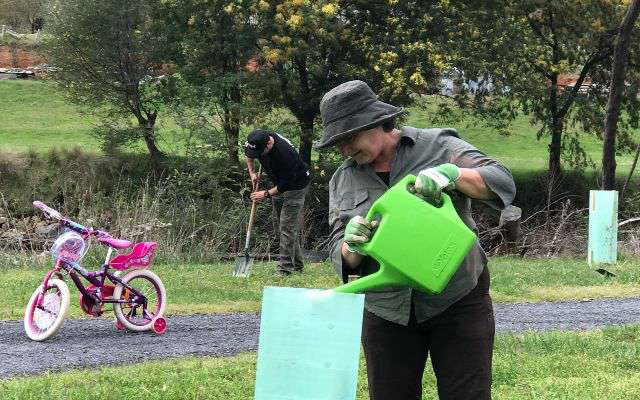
(47, 210)
(67, 222)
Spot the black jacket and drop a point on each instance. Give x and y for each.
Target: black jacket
(284, 165)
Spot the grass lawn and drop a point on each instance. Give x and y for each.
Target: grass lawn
(592, 365)
(36, 116)
(210, 288)
(520, 150)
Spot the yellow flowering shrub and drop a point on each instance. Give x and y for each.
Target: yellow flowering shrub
(329, 9)
(263, 5)
(295, 20)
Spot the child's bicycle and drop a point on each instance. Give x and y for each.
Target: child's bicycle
(138, 297)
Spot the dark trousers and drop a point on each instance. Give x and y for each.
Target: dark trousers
(287, 218)
(459, 341)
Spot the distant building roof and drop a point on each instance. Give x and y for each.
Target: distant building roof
(571, 79)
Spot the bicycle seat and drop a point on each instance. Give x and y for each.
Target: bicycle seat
(115, 243)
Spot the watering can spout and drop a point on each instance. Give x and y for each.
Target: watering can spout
(384, 277)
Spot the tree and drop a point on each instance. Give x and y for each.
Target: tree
(401, 45)
(101, 50)
(24, 14)
(304, 46)
(527, 49)
(253, 55)
(10, 15)
(212, 43)
(310, 47)
(615, 95)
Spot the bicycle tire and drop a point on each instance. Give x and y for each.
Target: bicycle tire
(39, 324)
(124, 313)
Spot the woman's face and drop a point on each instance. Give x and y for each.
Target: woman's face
(364, 147)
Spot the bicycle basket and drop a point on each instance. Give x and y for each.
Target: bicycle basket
(69, 247)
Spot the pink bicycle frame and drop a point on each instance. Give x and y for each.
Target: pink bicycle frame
(45, 282)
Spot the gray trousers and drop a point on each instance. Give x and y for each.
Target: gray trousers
(287, 219)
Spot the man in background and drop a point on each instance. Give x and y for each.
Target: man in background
(290, 179)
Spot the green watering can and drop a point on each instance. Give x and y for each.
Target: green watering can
(416, 243)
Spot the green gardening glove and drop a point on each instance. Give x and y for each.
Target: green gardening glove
(358, 231)
(431, 182)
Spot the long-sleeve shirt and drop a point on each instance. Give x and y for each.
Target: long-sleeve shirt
(353, 189)
(284, 165)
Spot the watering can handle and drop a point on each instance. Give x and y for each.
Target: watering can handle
(378, 209)
(409, 182)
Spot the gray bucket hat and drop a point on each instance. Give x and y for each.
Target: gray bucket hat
(349, 108)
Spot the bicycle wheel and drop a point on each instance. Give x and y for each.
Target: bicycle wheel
(134, 313)
(42, 322)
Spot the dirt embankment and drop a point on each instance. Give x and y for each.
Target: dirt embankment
(12, 57)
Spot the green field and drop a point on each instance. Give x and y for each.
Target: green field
(194, 288)
(36, 116)
(520, 150)
(594, 365)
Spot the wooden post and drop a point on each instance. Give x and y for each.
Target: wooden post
(603, 227)
(510, 226)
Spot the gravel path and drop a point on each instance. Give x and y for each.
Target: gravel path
(85, 343)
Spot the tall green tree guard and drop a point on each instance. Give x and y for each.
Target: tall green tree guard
(101, 51)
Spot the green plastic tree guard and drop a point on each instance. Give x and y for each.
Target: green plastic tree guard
(309, 345)
(603, 227)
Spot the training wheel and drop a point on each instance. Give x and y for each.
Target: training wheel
(159, 325)
(119, 325)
